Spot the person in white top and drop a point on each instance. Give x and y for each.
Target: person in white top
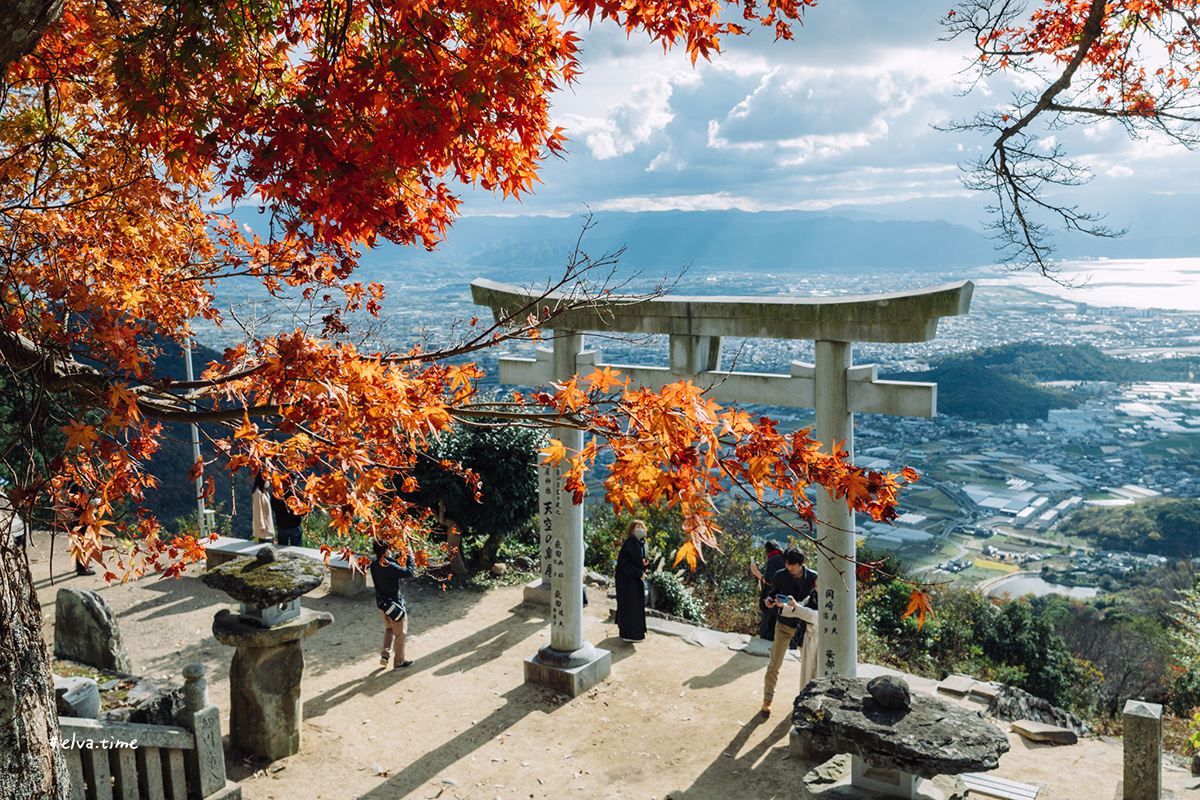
(808, 651)
(260, 511)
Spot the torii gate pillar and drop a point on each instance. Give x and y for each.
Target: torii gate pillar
(835, 520)
(695, 326)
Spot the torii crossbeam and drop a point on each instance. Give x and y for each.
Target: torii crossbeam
(696, 326)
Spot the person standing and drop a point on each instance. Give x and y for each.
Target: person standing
(261, 520)
(806, 612)
(288, 523)
(66, 515)
(386, 574)
(794, 582)
(631, 589)
(774, 563)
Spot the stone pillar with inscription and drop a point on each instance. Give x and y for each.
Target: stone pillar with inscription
(835, 521)
(568, 663)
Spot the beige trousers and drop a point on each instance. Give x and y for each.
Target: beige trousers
(779, 648)
(393, 630)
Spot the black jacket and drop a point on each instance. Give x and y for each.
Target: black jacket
(799, 588)
(386, 575)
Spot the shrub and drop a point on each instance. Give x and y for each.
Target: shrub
(678, 599)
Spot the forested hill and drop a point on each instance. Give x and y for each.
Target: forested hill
(1034, 361)
(1164, 526)
(1000, 383)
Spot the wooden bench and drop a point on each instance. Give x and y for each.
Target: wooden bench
(980, 784)
(343, 579)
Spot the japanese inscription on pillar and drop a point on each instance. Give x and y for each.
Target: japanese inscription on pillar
(552, 529)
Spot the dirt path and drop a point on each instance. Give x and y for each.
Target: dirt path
(674, 720)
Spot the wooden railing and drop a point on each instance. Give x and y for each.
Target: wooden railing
(130, 761)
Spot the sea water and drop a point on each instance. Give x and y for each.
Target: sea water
(1166, 283)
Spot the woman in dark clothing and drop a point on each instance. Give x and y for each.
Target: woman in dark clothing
(774, 563)
(288, 524)
(386, 574)
(631, 590)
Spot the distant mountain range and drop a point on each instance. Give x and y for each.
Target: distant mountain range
(777, 241)
(845, 239)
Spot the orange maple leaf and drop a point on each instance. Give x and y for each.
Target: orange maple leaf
(80, 435)
(554, 452)
(922, 604)
(855, 487)
(687, 551)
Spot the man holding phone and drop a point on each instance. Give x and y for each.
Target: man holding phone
(793, 582)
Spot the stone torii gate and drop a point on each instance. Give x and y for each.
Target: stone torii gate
(833, 387)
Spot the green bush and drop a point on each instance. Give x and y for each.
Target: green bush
(679, 600)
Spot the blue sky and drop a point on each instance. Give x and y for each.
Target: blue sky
(839, 117)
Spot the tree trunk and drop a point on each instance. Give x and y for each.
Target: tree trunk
(22, 25)
(30, 765)
(486, 556)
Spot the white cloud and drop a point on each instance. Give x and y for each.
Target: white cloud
(1119, 171)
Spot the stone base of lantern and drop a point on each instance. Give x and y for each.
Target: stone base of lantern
(264, 681)
(570, 673)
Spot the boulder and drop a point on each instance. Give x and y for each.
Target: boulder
(932, 737)
(77, 697)
(1013, 704)
(499, 570)
(890, 692)
(85, 630)
(593, 578)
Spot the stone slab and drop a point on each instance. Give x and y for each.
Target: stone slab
(985, 690)
(572, 681)
(537, 593)
(957, 685)
(1041, 732)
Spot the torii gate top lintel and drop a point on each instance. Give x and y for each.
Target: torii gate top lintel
(887, 318)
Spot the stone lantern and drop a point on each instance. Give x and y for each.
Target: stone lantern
(268, 663)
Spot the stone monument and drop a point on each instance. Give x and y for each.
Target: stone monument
(86, 631)
(833, 387)
(895, 739)
(268, 663)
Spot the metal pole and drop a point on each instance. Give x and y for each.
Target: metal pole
(202, 517)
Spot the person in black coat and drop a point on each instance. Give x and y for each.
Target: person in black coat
(631, 590)
(386, 574)
(774, 563)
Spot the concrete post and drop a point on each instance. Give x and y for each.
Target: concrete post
(567, 663)
(1143, 751)
(835, 578)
